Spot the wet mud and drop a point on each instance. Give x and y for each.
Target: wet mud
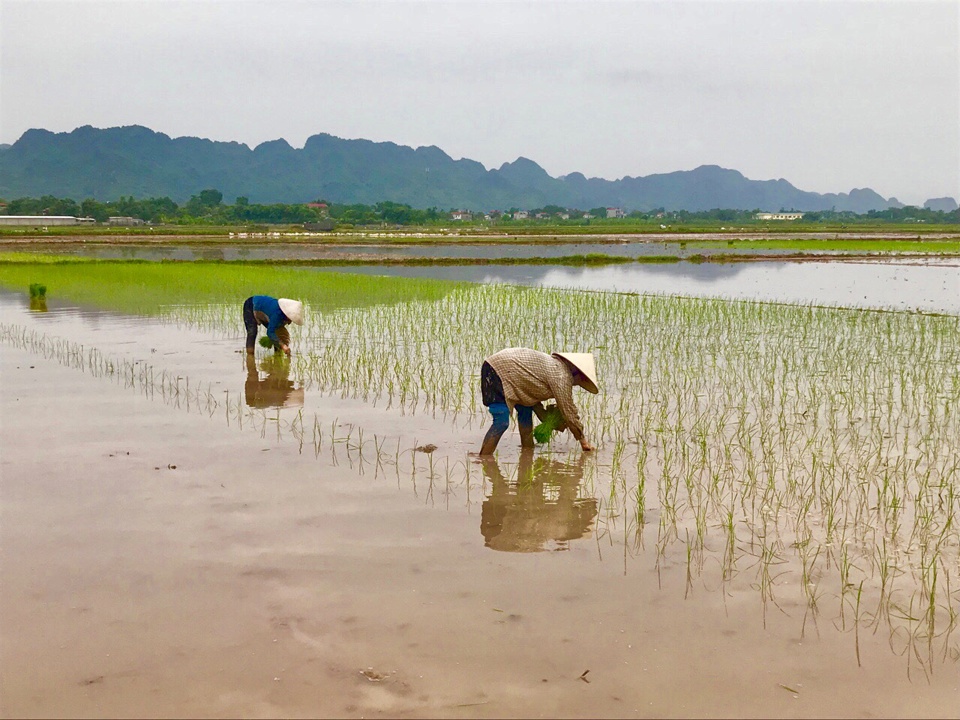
(162, 559)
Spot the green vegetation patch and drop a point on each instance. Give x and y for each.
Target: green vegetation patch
(145, 288)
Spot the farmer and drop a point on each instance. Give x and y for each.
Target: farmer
(521, 378)
(273, 314)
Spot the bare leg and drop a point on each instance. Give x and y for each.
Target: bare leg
(525, 425)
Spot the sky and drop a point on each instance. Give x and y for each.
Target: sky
(828, 95)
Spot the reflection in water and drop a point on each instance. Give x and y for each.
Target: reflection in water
(540, 510)
(933, 286)
(276, 389)
(38, 304)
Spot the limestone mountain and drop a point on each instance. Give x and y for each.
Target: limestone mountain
(105, 164)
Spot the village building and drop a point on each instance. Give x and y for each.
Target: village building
(40, 220)
(779, 216)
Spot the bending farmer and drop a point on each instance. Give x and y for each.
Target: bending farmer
(523, 378)
(273, 314)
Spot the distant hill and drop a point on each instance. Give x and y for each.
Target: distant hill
(944, 204)
(105, 164)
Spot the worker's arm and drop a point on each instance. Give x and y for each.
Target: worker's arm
(276, 322)
(539, 410)
(564, 397)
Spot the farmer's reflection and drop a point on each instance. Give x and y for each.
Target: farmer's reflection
(540, 510)
(274, 390)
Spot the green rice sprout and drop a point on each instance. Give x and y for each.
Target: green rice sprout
(551, 422)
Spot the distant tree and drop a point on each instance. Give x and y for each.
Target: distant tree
(97, 210)
(211, 197)
(204, 203)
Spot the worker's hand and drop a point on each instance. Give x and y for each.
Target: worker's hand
(587, 447)
(286, 349)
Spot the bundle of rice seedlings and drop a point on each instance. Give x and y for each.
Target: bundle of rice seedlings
(551, 422)
(266, 342)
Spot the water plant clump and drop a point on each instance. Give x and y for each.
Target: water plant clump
(38, 291)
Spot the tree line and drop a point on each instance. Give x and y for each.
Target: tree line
(207, 208)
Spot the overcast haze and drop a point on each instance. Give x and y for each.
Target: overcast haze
(830, 96)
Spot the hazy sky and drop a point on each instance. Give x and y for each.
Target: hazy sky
(828, 95)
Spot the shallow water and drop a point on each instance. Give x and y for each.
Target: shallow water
(929, 286)
(175, 540)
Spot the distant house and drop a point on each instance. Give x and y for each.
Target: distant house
(322, 226)
(124, 221)
(521, 215)
(779, 216)
(564, 216)
(461, 215)
(38, 220)
(542, 216)
(615, 212)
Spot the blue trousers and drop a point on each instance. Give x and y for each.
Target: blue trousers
(501, 421)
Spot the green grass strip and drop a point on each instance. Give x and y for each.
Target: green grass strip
(144, 287)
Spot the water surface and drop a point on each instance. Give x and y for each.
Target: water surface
(929, 286)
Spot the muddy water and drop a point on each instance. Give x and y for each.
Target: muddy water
(188, 554)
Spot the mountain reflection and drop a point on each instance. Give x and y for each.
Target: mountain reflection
(539, 510)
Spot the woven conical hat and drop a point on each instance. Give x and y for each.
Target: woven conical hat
(293, 309)
(585, 364)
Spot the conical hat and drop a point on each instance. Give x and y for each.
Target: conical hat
(293, 309)
(585, 364)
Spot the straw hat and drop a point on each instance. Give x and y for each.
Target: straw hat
(293, 309)
(584, 363)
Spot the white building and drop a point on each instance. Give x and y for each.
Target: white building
(38, 220)
(779, 216)
(615, 213)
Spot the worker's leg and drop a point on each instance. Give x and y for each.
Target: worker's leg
(250, 323)
(491, 393)
(525, 424)
(501, 421)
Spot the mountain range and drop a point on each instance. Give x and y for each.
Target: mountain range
(105, 164)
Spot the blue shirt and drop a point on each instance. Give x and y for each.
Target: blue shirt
(275, 317)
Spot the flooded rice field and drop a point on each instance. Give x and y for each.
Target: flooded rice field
(463, 250)
(927, 285)
(768, 526)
